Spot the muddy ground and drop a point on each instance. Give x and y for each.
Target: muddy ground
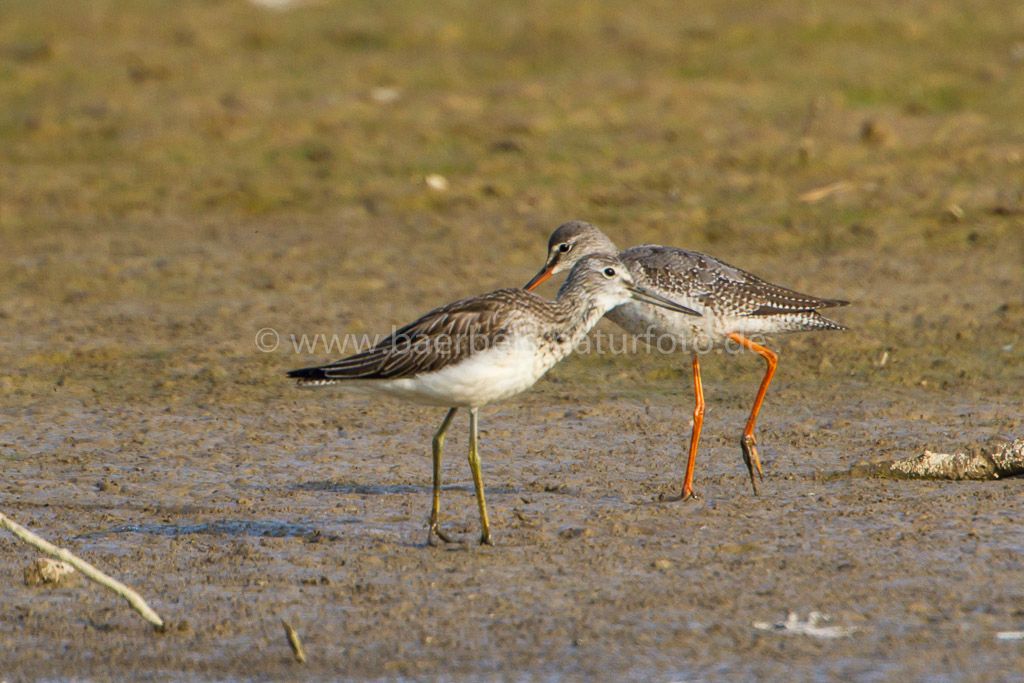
(176, 178)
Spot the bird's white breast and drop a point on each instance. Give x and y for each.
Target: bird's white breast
(499, 372)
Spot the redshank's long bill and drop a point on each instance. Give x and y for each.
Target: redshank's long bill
(735, 305)
(484, 349)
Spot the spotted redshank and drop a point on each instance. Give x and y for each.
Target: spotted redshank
(735, 306)
(484, 349)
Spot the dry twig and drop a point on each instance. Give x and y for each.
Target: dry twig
(87, 570)
(1006, 460)
(293, 639)
(817, 194)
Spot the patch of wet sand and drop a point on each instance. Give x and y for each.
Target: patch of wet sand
(593, 575)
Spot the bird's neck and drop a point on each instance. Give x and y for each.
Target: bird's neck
(579, 309)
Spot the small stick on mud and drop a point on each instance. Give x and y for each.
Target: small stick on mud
(817, 194)
(293, 640)
(87, 570)
(1006, 460)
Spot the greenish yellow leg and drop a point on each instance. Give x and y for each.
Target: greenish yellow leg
(478, 479)
(435, 508)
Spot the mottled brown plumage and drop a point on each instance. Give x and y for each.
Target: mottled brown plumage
(472, 324)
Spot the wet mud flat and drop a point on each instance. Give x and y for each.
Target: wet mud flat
(145, 430)
(313, 508)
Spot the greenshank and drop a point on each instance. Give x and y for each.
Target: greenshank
(484, 349)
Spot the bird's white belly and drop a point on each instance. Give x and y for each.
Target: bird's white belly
(486, 376)
(668, 330)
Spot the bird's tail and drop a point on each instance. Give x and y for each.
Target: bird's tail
(312, 377)
(819, 322)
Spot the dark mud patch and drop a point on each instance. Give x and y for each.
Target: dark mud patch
(397, 489)
(260, 528)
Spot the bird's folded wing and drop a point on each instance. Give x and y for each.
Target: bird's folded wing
(440, 338)
(695, 279)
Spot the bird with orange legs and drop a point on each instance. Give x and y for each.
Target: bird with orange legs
(735, 306)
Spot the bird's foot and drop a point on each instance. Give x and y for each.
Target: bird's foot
(485, 538)
(752, 460)
(687, 494)
(434, 533)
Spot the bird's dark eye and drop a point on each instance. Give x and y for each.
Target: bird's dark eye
(609, 272)
(564, 247)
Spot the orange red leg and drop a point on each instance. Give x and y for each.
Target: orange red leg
(748, 443)
(698, 422)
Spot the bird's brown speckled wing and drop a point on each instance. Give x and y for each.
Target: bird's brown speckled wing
(442, 337)
(690, 276)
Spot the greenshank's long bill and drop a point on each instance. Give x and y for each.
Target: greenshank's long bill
(734, 305)
(484, 349)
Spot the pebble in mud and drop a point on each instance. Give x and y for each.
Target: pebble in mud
(571, 532)
(46, 571)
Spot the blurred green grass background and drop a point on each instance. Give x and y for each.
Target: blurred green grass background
(636, 113)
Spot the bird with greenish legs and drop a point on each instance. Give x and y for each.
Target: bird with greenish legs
(475, 351)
